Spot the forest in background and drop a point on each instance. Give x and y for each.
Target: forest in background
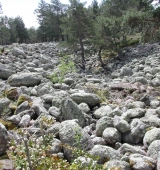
(112, 24)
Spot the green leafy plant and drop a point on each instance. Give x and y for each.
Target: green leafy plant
(65, 66)
(31, 153)
(102, 93)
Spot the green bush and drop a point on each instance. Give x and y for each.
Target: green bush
(31, 153)
(65, 66)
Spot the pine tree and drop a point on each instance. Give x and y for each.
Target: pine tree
(76, 26)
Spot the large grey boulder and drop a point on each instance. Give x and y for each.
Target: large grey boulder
(135, 104)
(150, 136)
(111, 135)
(88, 98)
(45, 88)
(102, 124)
(55, 112)
(117, 164)
(127, 148)
(154, 149)
(5, 71)
(126, 71)
(4, 103)
(121, 125)
(98, 140)
(15, 119)
(22, 107)
(58, 97)
(73, 135)
(70, 110)
(151, 118)
(37, 106)
(103, 111)
(3, 139)
(141, 80)
(84, 107)
(54, 129)
(25, 121)
(136, 133)
(140, 162)
(133, 113)
(55, 146)
(16, 52)
(105, 153)
(25, 79)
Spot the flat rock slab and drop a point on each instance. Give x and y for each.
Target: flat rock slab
(25, 79)
(123, 86)
(88, 98)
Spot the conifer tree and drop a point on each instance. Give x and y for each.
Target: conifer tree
(76, 26)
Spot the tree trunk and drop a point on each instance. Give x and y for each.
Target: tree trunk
(82, 54)
(100, 57)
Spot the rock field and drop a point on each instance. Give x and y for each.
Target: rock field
(116, 110)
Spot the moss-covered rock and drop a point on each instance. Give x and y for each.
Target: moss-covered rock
(11, 94)
(22, 98)
(9, 125)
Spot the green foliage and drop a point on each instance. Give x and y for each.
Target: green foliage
(102, 93)
(31, 153)
(66, 66)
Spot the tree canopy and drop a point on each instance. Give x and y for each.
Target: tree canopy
(105, 26)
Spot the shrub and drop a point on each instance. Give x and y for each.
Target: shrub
(66, 66)
(31, 153)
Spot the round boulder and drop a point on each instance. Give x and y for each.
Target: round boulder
(111, 135)
(150, 136)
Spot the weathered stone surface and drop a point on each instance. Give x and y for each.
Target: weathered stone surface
(69, 132)
(111, 135)
(16, 52)
(88, 98)
(54, 129)
(5, 71)
(102, 111)
(102, 124)
(84, 107)
(125, 71)
(105, 153)
(130, 105)
(37, 106)
(55, 112)
(58, 97)
(25, 121)
(4, 103)
(70, 110)
(122, 86)
(117, 164)
(55, 146)
(25, 79)
(3, 139)
(150, 136)
(125, 148)
(133, 113)
(141, 162)
(154, 149)
(121, 125)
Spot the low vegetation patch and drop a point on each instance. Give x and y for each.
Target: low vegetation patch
(66, 66)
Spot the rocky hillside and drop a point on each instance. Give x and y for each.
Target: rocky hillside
(115, 111)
